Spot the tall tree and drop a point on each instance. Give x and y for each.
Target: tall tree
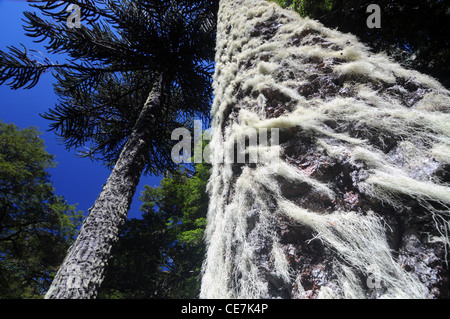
(413, 32)
(356, 205)
(36, 226)
(160, 255)
(135, 71)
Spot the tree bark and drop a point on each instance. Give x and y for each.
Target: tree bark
(356, 205)
(82, 271)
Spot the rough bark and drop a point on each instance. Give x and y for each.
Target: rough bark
(82, 270)
(357, 203)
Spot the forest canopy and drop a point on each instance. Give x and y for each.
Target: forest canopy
(105, 86)
(36, 225)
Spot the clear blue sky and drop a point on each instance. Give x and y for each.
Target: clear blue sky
(79, 180)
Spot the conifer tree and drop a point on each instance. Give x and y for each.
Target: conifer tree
(134, 71)
(166, 245)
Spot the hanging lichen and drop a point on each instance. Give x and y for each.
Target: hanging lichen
(363, 143)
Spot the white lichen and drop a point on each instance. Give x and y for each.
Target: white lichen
(252, 64)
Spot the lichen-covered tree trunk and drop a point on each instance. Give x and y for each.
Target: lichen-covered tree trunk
(82, 271)
(356, 205)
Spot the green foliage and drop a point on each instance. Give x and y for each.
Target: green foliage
(160, 255)
(413, 32)
(36, 226)
(121, 53)
(307, 7)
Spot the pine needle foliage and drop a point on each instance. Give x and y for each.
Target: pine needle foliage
(111, 64)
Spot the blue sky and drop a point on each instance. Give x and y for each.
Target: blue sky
(79, 180)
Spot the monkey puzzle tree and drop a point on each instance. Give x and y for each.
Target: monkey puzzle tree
(356, 205)
(166, 244)
(135, 70)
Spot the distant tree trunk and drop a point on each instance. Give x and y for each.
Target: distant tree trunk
(357, 203)
(82, 271)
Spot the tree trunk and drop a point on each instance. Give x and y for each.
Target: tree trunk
(356, 205)
(82, 271)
